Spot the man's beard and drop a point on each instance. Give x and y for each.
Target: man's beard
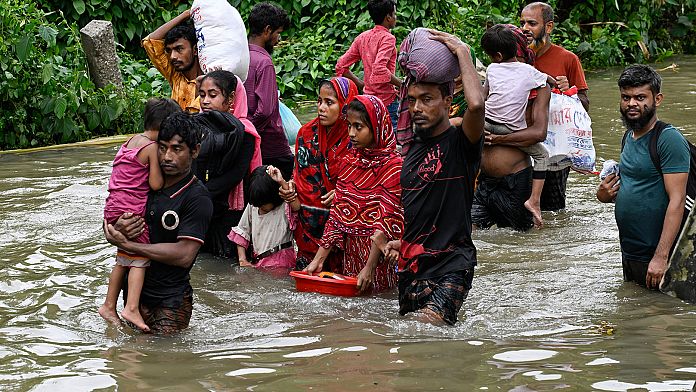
(186, 68)
(423, 133)
(269, 47)
(539, 42)
(640, 122)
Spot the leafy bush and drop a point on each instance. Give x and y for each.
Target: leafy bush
(46, 96)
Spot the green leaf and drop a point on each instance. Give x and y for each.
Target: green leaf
(92, 120)
(61, 105)
(305, 3)
(46, 73)
(23, 46)
(48, 34)
(304, 19)
(79, 6)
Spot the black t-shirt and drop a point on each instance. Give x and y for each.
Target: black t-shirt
(438, 185)
(181, 211)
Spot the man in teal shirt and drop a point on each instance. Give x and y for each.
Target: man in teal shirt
(649, 203)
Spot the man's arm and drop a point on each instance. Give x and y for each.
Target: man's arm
(178, 254)
(472, 122)
(350, 75)
(675, 186)
(535, 133)
(350, 57)
(380, 72)
(162, 31)
(584, 99)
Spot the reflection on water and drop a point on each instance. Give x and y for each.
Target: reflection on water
(530, 322)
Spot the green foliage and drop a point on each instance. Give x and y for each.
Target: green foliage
(132, 19)
(46, 96)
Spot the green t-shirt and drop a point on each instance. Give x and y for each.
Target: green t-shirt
(642, 202)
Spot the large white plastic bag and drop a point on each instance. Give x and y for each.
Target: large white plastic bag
(569, 134)
(291, 124)
(222, 40)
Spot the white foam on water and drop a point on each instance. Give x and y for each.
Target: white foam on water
(394, 350)
(687, 370)
(245, 371)
(602, 361)
(525, 355)
(354, 348)
(475, 342)
(309, 353)
(672, 385)
(540, 376)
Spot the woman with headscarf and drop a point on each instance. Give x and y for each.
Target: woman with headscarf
(229, 151)
(367, 204)
(320, 145)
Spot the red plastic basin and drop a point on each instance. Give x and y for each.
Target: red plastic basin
(348, 287)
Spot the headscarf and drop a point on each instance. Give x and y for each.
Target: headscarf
(421, 59)
(523, 49)
(368, 191)
(239, 110)
(317, 161)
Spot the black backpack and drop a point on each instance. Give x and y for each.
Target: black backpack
(655, 157)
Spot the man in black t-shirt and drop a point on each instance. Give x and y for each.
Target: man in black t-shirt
(437, 254)
(177, 217)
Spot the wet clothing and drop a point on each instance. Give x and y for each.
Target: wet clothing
(443, 295)
(500, 201)
(553, 195)
(128, 188)
(223, 162)
(184, 91)
(179, 212)
(318, 153)
(262, 96)
(165, 320)
(368, 197)
(635, 271)
(438, 185)
(376, 48)
(641, 203)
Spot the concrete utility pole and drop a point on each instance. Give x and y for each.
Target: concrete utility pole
(100, 48)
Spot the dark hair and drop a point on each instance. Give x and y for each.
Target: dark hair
(226, 81)
(379, 9)
(181, 124)
(327, 82)
(358, 107)
(184, 31)
(156, 110)
(263, 189)
(501, 39)
(267, 14)
(546, 10)
(637, 75)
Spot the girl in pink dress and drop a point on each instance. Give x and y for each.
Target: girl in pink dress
(135, 171)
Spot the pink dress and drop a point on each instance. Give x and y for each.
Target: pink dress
(128, 188)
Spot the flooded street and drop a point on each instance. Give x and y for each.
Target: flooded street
(538, 318)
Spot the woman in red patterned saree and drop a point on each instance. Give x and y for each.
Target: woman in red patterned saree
(366, 211)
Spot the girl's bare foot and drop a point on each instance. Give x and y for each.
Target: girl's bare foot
(535, 209)
(135, 318)
(109, 314)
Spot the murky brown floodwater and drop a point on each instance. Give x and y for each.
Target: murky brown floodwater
(528, 323)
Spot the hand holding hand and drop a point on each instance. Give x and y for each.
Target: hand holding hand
(275, 174)
(130, 225)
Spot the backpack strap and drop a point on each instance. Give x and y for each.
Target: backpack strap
(652, 145)
(623, 139)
